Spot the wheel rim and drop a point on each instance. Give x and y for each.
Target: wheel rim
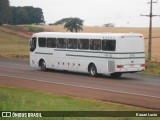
(93, 71)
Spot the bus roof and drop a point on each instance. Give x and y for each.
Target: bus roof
(86, 35)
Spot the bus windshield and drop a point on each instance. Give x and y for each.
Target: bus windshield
(33, 44)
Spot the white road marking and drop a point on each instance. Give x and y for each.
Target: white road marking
(80, 86)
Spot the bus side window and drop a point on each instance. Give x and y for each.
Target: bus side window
(83, 44)
(95, 44)
(51, 42)
(61, 42)
(42, 42)
(109, 45)
(72, 43)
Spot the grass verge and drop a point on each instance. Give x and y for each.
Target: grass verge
(27, 28)
(152, 68)
(13, 46)
(18, 99)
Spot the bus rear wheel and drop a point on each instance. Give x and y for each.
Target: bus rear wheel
(116, 75)
(43, 66)
(93, 70)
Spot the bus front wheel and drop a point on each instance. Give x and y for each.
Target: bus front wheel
(43, 65)
(93, 70)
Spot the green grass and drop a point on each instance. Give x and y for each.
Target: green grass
(13, 27)
(18, 99)
(13, 46)
(152, 68)
(25, 28)
(34, 29)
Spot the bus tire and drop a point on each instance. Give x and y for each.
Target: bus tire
(92, 70)
(43, 65)
(116, 75)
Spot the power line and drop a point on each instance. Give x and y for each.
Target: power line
(150, 30)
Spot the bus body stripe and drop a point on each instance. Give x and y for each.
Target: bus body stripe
(99, 52)
(106, 57)
(44, 53)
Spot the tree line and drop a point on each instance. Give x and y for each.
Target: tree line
(30, 15)
(19, 15)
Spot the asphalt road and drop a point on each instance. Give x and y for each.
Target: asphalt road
(133, 89)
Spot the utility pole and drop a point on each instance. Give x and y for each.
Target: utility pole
(150, 31)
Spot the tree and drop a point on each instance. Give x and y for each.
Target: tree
(37, 16)
(19, 15)
(73, 24)
(109, 25)
(4, 11)
(26, 15)
(61, 22)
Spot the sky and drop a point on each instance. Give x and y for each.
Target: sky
(123, 13)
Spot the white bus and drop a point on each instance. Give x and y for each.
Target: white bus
(94, 53)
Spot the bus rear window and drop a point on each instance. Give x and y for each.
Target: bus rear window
(42, 42)
(109, 45)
